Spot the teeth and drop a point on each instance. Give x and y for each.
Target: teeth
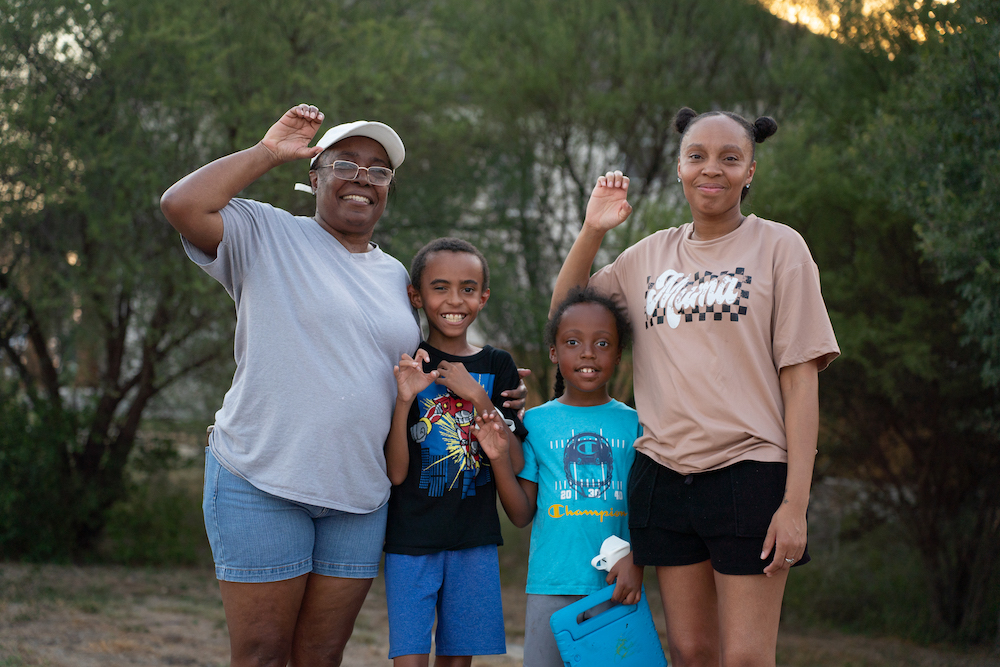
(452, 317)
(359, 198)
(588, 370)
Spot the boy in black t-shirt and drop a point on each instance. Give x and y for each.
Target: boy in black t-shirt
(443, 529)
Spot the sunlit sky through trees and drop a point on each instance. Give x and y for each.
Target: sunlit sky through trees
(820, 19)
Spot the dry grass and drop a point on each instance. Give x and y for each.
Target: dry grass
(115, 616)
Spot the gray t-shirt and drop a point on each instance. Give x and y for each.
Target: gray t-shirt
(318, 331)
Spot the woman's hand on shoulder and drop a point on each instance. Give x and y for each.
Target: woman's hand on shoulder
(608, 206)
(517, 396)
(288, 139)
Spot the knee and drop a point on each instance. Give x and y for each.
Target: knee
(262, 651)
(328, 653)
(694, 652)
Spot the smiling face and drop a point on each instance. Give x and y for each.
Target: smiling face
(586, 349)
(715, 163)
(350, 209)
(451, 295)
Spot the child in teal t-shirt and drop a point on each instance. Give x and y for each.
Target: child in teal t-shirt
(578, 454)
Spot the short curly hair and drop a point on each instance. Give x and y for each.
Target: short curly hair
(445, 244)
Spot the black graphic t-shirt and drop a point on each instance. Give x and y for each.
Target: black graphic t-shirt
(448, 499)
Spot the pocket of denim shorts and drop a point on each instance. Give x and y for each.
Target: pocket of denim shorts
(641, 482)
(757, 492)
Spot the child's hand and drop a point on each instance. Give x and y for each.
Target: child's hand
(492, 435)
(608, 207)
(454, 376)
(410, 376)
(628, 580)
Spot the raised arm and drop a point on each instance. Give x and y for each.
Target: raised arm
(192, 204)
(607, 208)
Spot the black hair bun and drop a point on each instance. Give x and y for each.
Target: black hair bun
(764, 127)
(684, 118)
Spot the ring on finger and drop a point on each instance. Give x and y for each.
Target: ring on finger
(789, 560)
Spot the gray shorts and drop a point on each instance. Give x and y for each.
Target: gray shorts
(540, 649)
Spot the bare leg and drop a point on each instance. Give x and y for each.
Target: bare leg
(692, 615)
(261, 620)
(326, 619)
(452, 661)
(415, 660)
(749, 612)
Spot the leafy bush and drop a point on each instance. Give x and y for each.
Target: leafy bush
(872, 582)
(40, 500)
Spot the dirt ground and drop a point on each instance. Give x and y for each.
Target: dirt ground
(115, 616)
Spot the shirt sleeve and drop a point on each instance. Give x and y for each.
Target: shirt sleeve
(609, 280)
(801, 325)
(243, 228)
(530, 471)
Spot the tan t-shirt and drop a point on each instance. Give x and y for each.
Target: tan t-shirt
(714, 321)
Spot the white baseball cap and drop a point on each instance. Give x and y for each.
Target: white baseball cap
(380, 132)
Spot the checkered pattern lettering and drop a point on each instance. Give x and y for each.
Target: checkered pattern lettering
(700, 297)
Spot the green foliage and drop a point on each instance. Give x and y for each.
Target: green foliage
(873, 584)
(904, 408)
(561, 92)
(937, 140)
(888, 162)
(36, 516)
(98, 310)
(159, 522)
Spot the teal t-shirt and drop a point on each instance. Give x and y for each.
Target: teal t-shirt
(580, 458)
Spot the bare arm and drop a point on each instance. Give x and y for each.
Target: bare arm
(606, 209)
(787, 533)
(397, 451)
(192, 204)
(627, 577)
(410, 381)
(517, 495)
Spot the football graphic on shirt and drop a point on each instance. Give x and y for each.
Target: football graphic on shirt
(588, 464)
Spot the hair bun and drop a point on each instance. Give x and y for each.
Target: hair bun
(764, 127)
(684, 118)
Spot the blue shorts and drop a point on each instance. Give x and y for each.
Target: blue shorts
(462, 586)
(257, 537)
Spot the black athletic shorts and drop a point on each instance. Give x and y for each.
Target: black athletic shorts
(722, 515)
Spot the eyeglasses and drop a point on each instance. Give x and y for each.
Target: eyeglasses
(348, 171)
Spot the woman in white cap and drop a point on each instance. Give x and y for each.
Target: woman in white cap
(295, 482)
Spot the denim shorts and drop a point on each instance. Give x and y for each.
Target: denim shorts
(462, 586)
(257, 537)
(721, 515)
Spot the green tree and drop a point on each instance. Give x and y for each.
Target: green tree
(561, 92)
(904, 407)
(98, 314)
(104, 105)
(937, 137)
